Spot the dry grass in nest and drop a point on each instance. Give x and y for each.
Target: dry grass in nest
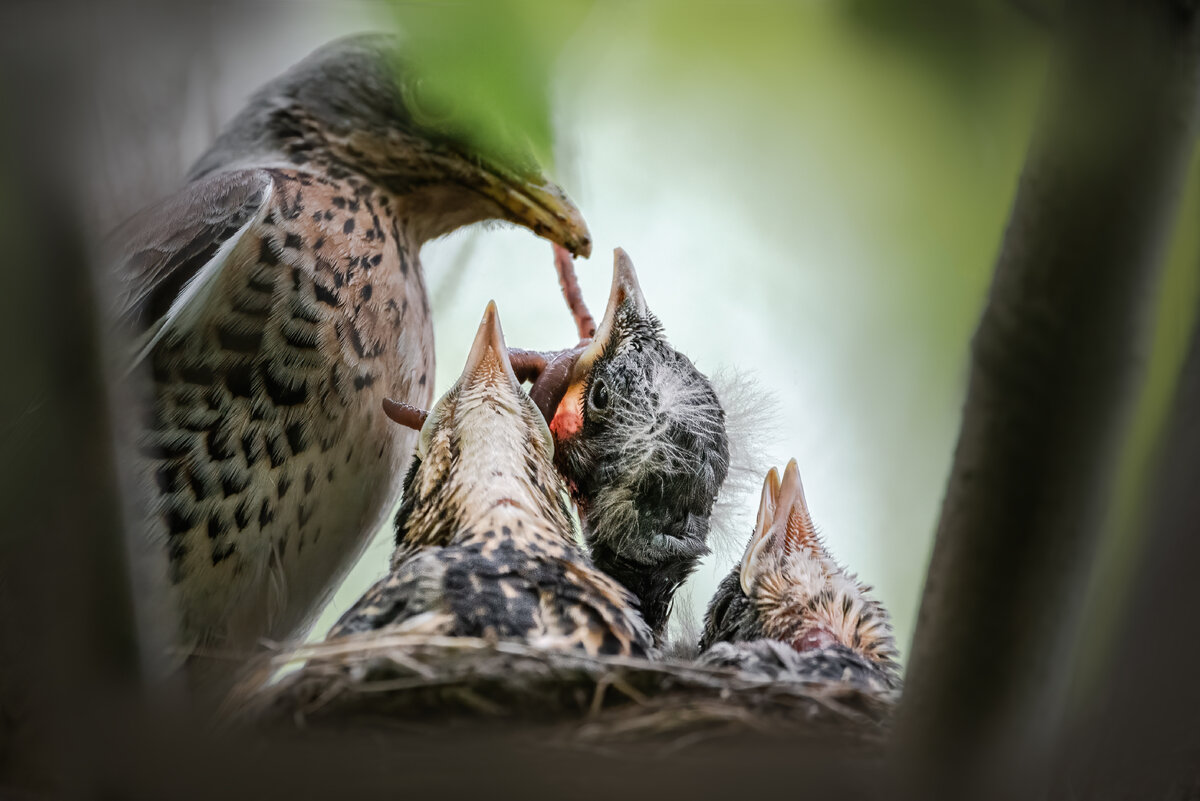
(420, 680)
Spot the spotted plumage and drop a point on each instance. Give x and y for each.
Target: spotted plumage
(790, 611)
(640, 438)
(275, 301)
(485, 545)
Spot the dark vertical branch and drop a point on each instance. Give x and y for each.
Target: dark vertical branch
(66, 632)
(1141, 736)
(70, 658)
(1055, 361)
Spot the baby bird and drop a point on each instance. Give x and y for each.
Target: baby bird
(790, 611)
(485, 544)
(640, 439)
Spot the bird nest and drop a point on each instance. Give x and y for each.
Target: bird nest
(390, 679)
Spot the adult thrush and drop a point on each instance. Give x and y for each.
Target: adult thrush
(485, 542)
(789, 610)
(276, 300)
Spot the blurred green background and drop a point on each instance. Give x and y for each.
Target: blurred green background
(813, 193)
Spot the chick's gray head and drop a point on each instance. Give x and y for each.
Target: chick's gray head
(484, 444)
(640, 438)
(357, 107)
(790, 590)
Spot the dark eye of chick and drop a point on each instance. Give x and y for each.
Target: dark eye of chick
(598, 396)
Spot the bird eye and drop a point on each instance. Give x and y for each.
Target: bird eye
(598, 397)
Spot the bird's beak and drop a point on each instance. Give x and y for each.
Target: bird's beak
(486, 374)
(487, 383)
(488, 366)
(625, 289)
(783, 524)
(625, 294)
(489, 369)
(540, 206)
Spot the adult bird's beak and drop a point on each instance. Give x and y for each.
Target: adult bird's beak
(783, 525)
(540, 206)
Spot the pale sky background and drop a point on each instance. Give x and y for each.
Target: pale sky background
(802, 204)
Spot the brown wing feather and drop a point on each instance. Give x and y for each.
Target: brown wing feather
(161, 248)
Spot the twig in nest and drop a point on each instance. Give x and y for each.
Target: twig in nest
(426, 680)
(630, 693)
(598, 696)
(477, 702)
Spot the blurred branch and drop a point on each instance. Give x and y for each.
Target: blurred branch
(1142, 740)
(67, 637)
(1043, 12)
(70, 656)
(1056, 359)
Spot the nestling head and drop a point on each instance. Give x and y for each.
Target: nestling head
(789, 589)
(483, 444)
(640, 435)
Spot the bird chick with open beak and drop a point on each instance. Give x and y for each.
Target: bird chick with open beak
(789, 610)
(640, 439)
(485, 545)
